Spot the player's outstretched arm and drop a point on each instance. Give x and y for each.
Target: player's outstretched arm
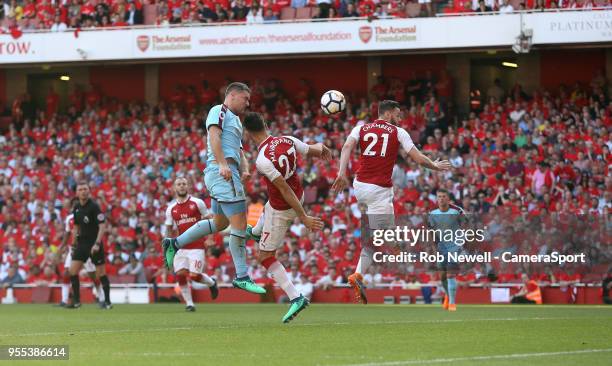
(217, 149)
(341, 181)
(422, 159)
(319, 150)
(311, 222)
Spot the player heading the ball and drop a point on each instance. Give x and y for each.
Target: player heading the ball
(277, 162)
(379, 142)
(225, 167)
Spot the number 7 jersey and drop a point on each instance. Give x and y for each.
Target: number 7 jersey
(379, 142)
(278, 158)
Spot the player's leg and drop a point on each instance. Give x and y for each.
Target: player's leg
(75, 267)
(65, 286)
(254, 232)
(196, 271)
(182, 276)
(202, 228)
(275, 228)
(90, 268)
(99, 261)
(181, 268)
(444, 283)
(380, 215)
(452, 286)
(236, 212)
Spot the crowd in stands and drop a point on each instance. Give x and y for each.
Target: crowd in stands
(522, 156)
(61, 15)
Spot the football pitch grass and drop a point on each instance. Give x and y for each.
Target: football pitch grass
(323, 334)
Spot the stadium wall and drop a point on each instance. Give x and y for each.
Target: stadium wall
(547, 68)
(465, 295)
(346, 73)
(570, 66)
(126, 83)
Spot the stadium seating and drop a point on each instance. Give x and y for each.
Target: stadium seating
(118, 184)
(43, 19)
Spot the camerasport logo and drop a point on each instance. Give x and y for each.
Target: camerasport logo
(388, 34)
(163, 43)
(16, 48)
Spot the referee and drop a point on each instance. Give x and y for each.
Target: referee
(89, 228)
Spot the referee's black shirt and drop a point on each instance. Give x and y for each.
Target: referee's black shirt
(88, 217)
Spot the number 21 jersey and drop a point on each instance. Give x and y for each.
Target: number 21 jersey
(379, 143)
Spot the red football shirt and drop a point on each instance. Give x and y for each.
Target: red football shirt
(379, 142)
(278, 158)
(185, 215)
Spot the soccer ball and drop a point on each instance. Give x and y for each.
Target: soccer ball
(333, 102)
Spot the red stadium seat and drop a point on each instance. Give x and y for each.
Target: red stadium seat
(287, 13)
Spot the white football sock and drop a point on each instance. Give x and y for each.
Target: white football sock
(278, 272)
(100, 292)
(203, 278)
(186, 292)
(65, 292)
(365, 260)
(257, 229)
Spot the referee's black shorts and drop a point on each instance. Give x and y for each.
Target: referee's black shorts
(82, 252)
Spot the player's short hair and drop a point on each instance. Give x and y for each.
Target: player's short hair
(387, 105)
(442, 190)
(237, 86)
(253, 122)
(181, 177)
(82, 183)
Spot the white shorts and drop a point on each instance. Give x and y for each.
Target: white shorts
(189, 259)
(276, 224)
(379, 200)
(379, 203)
(88, 265)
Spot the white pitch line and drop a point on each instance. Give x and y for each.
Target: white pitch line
(96, 331)
(295, 324)
(435, 321)
(481, 358)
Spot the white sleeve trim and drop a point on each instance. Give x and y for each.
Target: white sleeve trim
(355, 132)
(169, 220)
(300, 146)
(265, 167)
(201, 206)
(404, 139)
(67, 223)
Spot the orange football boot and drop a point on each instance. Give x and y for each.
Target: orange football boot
(445, 303)
(356, 282)
(452, 307)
